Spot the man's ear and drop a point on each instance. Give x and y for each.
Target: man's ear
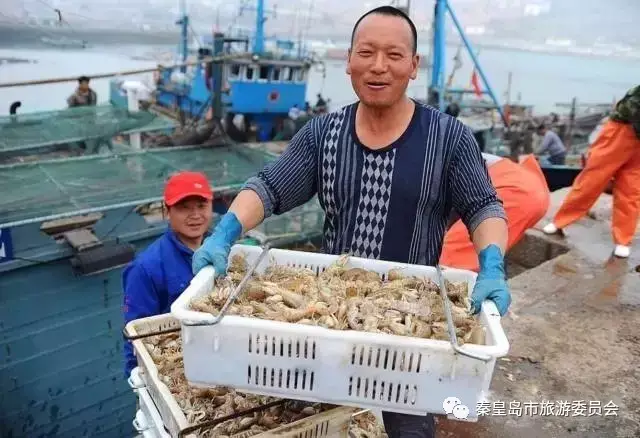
(348, 61)
(416, 66)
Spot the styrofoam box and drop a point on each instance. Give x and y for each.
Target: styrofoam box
(352, 368)
(170, 420)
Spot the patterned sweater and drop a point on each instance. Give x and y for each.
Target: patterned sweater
(391, 204)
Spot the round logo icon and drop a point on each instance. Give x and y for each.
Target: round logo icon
(453, 406)
(274, 96)
(449, 403)
(461, 412)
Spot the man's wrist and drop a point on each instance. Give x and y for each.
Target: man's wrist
(491, 262)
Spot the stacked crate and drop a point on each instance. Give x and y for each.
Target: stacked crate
(159, 415)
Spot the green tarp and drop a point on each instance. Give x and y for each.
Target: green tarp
(48, 188)
(304, 223)
(34, 130)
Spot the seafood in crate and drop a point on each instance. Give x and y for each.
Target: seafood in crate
(344, 298)
(290, 336)
(202, 406)
(366, 425)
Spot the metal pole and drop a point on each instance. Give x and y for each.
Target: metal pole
(184, 33)
(133, 106)
(258, 46)
(439, 45)
(119, 73)
(218, 48)
(572, 118)
(475, 62)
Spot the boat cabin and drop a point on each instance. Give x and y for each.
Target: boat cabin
(265, 86)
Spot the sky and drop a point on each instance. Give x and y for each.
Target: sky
(584, 21)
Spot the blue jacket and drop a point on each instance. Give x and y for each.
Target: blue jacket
(153, 281)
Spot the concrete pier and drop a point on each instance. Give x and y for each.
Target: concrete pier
(574, 329)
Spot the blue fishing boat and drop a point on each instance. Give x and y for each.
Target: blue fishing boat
(264, 78)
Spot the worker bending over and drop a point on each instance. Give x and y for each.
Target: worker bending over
(552, 146)
(159, 274)
(525, 196)
(615, 154)
(388, 172)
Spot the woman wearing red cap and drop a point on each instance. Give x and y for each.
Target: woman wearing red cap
(161, 272)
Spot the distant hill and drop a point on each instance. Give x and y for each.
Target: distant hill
(583, 21)
(11, 35)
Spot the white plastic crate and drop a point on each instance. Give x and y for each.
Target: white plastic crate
(135, 380)
(148, 421)
(171, 420)
(368, 370)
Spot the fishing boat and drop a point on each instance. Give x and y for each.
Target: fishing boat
(263, 81)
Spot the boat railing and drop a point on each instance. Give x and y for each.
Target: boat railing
(210, 59)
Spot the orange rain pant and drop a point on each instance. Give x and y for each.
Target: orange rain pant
(525, 196)
(615, 154)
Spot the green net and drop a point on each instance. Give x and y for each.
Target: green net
(48, 188)
(304, 223)
(26, 131)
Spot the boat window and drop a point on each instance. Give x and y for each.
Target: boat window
(300, 75)
(250, 75)
(275, 74)
(234, 71)
(264, 72)
(285, 74)
(293, 74)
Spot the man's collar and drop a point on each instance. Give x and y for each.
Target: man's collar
(173, 237)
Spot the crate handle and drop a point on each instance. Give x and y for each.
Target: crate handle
(132, 337)
(136, 423)
(133, 384)
(452, 329)
(233, 295)
(355, 414)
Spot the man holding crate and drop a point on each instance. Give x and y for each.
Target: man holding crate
(389, 172)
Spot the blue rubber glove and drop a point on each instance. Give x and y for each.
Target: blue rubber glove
(491, 283)
(215, 248)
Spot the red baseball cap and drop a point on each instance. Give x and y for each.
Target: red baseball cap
(184, 184)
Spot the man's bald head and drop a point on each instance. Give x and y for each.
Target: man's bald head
(390, 11)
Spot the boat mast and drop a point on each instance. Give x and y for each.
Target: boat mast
(184, 33)
(439, 50)
(258, 45)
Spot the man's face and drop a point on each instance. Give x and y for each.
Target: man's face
(84, 86)
(191, 217)
(381, 60)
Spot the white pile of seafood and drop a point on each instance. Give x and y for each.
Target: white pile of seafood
(201, 405)
(344, 298)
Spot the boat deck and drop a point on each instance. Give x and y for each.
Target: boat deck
(573, 329)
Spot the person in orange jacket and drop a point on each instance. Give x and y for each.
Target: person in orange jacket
(525, 195)
(615, 154)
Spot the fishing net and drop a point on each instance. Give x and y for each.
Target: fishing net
(44, 189)
(302, 224)
(32, 130)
